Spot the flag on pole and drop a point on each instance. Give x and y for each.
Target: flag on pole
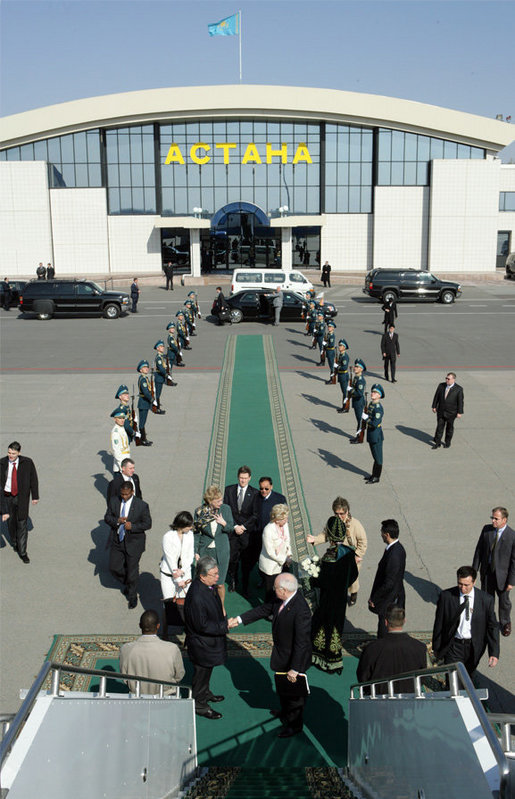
(230, 26)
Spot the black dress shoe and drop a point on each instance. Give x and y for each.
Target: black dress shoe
(354, 440)
(133, 603)
(372, 480)
(215, 698)
(436, 446)
(172, 383)
(147, 443)
(353, 599)
(231, 586)
(446, 446)
(393, 380)
(287, 732)
(328, 382)
(340, 410)
(209, 713)
(180, 365)
(25, 558)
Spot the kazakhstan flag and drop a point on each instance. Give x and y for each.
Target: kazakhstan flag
(230, 26)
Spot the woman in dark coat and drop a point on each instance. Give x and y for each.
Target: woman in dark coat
(212, 523)
(338, 570)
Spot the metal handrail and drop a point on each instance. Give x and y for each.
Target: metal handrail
(454, 671)
(56, 669)
(505, 721)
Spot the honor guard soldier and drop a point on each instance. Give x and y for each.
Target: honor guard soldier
(124, 399)
(319, 335)
(182, 331)
(159, 372)
(192, 296)
(342, 372)
(119, 440)
(145, 400)
(358, 395)
(189, 318)
(330, 350)
(311, 319)
(375, 434)
(174, 351)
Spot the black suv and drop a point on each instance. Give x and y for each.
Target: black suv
(409, 284)
(47, 297)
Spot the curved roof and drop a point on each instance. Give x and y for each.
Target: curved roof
(254, 101)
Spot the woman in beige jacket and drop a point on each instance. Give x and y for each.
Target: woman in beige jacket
(276, 550)
(355, 537)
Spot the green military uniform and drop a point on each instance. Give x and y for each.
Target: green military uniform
(375, 434)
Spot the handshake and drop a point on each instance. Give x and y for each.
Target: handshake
(232, 623)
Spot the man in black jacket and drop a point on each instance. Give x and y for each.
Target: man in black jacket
(390, 350)
(448, 405)
(127, 474)
(465, 623)
(18, 482)
(494, 557)
(129, 518)
(291, 653)
(388, 587)
(242, 499)
(206, 631)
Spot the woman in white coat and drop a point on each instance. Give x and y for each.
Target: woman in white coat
(176, 564)
(276, 549)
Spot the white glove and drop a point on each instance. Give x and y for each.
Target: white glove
(154, 403)
(364, 415)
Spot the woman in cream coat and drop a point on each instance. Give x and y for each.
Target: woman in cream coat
(178, 558)
(276, 548)
(355, 537)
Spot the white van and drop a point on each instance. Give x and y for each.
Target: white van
(269, 279)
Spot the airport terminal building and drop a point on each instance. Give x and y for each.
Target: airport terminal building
(223, 176)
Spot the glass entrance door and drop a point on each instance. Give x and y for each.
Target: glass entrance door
(239, 240)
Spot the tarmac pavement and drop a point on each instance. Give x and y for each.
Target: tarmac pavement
(59, 380)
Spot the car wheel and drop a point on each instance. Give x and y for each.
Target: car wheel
(389, 296)
(111, 311)
(236, 316)
(44, 310)
(447, 297)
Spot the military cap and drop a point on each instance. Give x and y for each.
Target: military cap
(117, 413)
(142, 364)
(179, 313)
(192, 294)
(343, 343)
(121, 390)
(331, 323)
(159, 343)
(359, 362)
(380, 390)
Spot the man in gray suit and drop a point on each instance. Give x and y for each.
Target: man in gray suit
(149, 656)
(494, 558)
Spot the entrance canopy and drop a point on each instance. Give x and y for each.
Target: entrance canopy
(219, 219)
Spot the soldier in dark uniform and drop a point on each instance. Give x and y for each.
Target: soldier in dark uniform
(330, 349)
(375, 431)
(311, 319)
(358, 395)
(342, 370)
(319, 334)
(182, 331)
(192, 296)
(174, 351)
(122, 395)
(144, 400)
(159, 372)
(189, 318)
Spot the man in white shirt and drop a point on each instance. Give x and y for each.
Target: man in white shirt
(494, 557)
(19, 482)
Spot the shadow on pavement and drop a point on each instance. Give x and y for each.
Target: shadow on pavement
(317, 400)
(335, 462)
(325, 427)
(420, 435)
(426, 590)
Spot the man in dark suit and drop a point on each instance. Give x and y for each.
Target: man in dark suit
(265, 502)
(206, 630)
(390, 350)
(19, 481)
(126, 475)
(242, 499)
(465, 623)
(495, 559)
(291, 653)
(394, 654)
(388, 587)
(447, 404)
(390, 313)
(129, 518)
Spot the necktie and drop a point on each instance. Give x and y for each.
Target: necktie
(240, 497)
(280, 609)
(14, 481)
(467, 608)
(492, 551)
(121, 528)
(447, 391)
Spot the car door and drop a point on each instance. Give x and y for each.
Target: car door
(62, 294)
(249, 305)
(87, 297)
(292, 307)
(408, 285)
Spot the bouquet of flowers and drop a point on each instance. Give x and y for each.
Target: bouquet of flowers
(311, 566)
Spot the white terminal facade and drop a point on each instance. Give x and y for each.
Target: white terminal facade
(224, 176)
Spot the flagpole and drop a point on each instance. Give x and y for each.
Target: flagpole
(239, 12)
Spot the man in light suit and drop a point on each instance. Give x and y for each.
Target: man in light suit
(129, 518)
(448, 405)
(291, 653)
(127, 474)
(18, 482)
(388, 587)
(495, 559)
(465, 623)
(390, 350)
(149, 656)
(242, 499)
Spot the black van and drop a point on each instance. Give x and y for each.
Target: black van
(409, 284)
(48, 297)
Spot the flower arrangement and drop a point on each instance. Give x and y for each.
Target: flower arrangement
(311, 566)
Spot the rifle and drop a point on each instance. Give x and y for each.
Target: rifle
(348, 392)
(134, 423)
(169, 381)
(361, 434)
(154, 407)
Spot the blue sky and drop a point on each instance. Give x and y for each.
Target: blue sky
(452, 54)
